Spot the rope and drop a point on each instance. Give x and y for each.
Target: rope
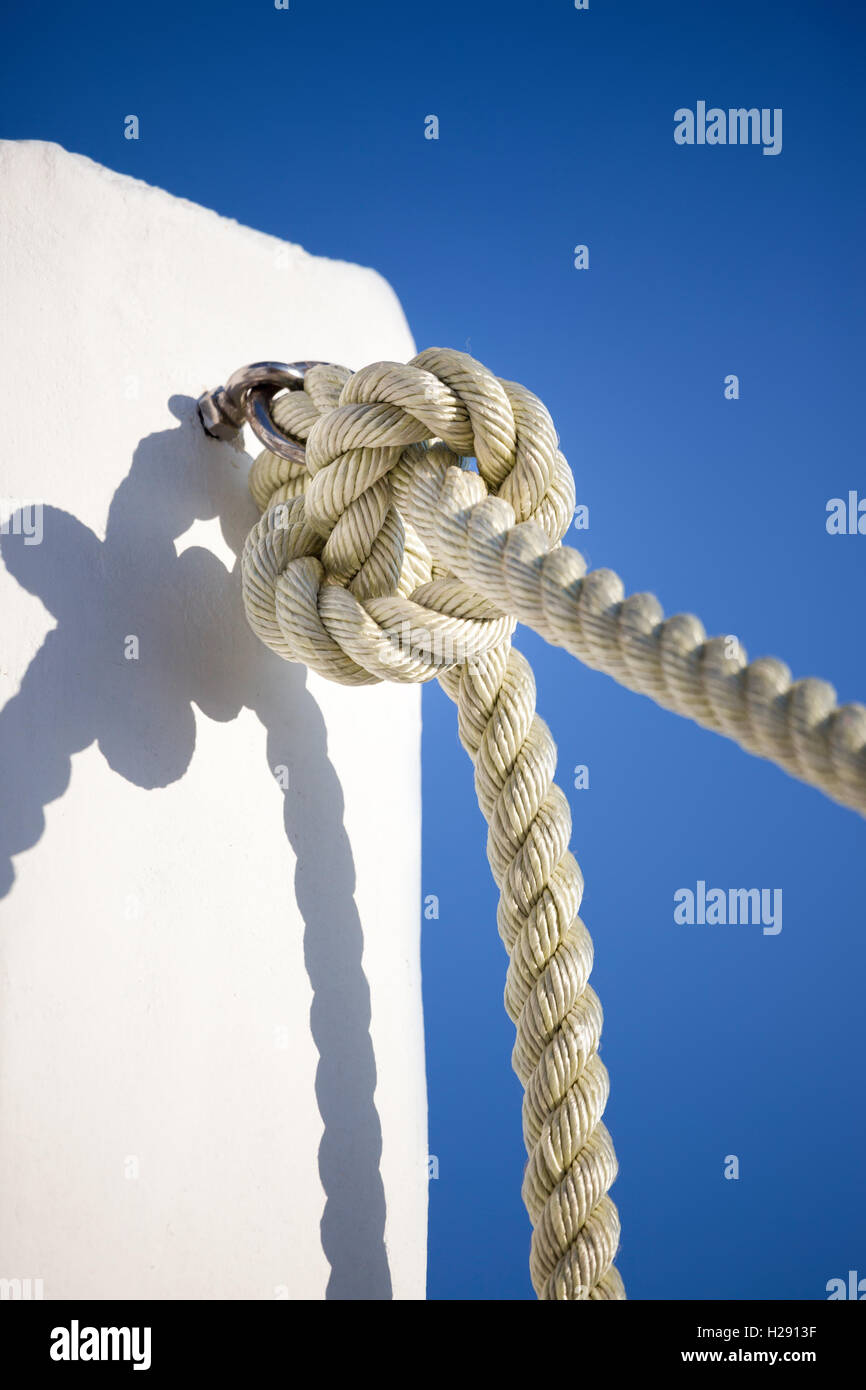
(496, 531)
(385, 556)
(558, 1016)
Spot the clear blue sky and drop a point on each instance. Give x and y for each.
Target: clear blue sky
(556, 128)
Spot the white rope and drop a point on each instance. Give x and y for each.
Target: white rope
(558, 1016)
(386, 557)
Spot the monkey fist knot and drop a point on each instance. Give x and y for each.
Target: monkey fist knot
(334, 575)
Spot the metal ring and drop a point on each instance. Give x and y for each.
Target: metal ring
(246, 398)
(287, 376)
(258, 385)
(257, 404)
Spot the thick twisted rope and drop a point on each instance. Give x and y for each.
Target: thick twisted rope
(558, 1016)
(798, 725)
(385, 556)
(369, 451)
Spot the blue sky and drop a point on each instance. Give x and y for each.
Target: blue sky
(556, 128)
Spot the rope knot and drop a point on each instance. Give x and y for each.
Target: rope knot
(333, 573)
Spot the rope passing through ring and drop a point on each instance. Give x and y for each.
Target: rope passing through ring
(383, 554)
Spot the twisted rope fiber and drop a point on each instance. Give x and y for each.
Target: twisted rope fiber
(384, 557)
(558, 1016)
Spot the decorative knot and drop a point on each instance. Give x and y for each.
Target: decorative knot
(334, 575)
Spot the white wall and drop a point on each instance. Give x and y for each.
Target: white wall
(188, 956)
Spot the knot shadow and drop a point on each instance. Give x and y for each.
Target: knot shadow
(194, 646)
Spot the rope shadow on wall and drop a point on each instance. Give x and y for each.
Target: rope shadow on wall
(79, 688)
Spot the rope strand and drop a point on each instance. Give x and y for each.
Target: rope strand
(558, 1016)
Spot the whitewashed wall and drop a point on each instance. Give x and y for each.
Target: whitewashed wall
(211, 1046)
